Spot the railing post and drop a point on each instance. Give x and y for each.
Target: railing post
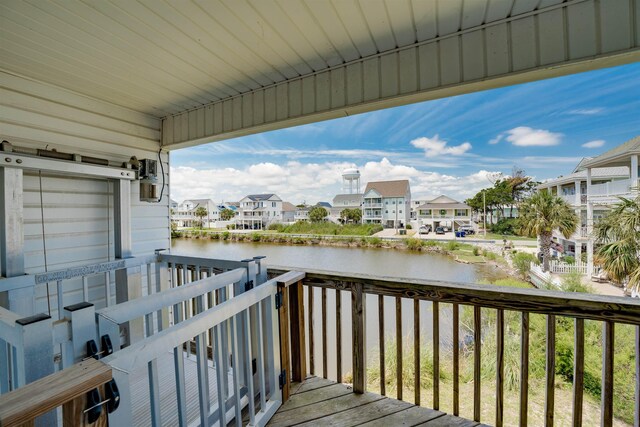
(162, 284)
(298, 341)
(285, 349)
(35, 357)
(123, 416)
(358, 330)
(83, 327)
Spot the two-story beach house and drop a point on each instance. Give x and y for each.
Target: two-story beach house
(444, 212)
(591, 189)
(387, 203)
(342, 202)
(184, 215)
(259, 210)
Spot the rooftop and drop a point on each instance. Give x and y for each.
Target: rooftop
(397, 188)
(601, 173)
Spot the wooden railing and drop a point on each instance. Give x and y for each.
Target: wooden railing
(579, 307)
(66, 389)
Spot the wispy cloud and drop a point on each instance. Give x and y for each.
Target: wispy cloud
(497, 139)
(586, 111)
(594, 144)
(524, 136)
(436, 147)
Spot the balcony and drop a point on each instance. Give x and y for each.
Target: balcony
(250, 329)
(372, 205)
(613, 188)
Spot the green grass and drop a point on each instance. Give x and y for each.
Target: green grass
(500, 237)
(330, 228)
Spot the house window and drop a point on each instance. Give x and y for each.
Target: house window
(273, 204)
(386, 202)
(386, 211)
(400, 211)
(461, 212)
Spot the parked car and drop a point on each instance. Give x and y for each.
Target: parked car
(424, 229)
(468, 229)
(439, 230)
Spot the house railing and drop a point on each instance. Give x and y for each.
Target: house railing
(231, 324)
(376, 293)
(611, 188)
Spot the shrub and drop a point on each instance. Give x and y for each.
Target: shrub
(276, 227)
(452, 245)
(231, 226)
(255, 237)
(430, 243)
(572, 282)
(568, 259)
(225, 235)
(413, 244)
(507, 226)
(375, 241)
(522, 263)
(476, 251)
(491, 256)
(409, 227)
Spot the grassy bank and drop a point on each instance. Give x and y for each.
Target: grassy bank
(462, 252)
(327, 228)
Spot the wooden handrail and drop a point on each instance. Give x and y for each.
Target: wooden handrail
(39, 397)
(577, 305)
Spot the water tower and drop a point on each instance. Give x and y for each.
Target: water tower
(351, 181)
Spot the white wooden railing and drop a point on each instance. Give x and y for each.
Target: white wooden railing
(543, 278)
(611, 188)
(564, 268)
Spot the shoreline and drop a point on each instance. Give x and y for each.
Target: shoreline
(489, 252)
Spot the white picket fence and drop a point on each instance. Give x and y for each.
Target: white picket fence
(564, 268)
(541, 278)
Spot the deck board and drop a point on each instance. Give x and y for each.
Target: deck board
(168, 410)
(320, 402)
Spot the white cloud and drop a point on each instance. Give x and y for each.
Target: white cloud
(312, 182)
(524, 136)
(587, 111)
(594, 144)
(496, 139)
(435, 146)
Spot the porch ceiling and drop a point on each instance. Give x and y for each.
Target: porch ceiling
(163, 57)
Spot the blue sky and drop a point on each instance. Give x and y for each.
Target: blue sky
(450, 146)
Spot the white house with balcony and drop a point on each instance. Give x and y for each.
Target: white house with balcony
(257, 211)
(593, 187)
(444, 212)
(387, 203)
(184, 214)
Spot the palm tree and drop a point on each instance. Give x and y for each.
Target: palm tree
(542, 213)
(201, 212)
(619, 234)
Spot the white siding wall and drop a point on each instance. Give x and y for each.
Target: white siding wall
(78, 211)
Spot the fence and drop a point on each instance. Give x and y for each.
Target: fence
(560, 267)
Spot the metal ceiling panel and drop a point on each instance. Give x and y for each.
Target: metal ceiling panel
(162, 57)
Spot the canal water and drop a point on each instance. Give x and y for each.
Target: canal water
(381, 262)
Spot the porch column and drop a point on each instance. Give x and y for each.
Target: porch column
(634, 171)
(20, 301)
(128, 280)
(589, 257)
(577, 191)
(578, 251)
(558, 190)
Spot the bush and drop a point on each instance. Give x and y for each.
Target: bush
(572, 282)
(374, 241)
(452, 245)
(255, 237)
(413, 244)
(225, 235)
(476, 251)
(231, 226)
(507, 226)
(491, 256)
(522, 263)
(568, 259)
(276, 227)
(409, 227)
(430, 243)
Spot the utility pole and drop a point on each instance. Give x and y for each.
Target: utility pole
(484, 215)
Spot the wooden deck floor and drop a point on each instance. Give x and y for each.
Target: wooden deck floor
(168, 410)
(319, 402)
